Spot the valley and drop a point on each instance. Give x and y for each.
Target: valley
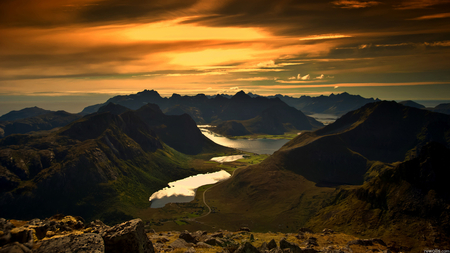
(371, 172)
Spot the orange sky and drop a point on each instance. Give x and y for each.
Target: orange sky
(95, 48)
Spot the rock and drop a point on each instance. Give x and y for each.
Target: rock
(276, 250)
(22, 235)
(5, 238)
(305, 230)
(88, 243)
(366, 242)
(214, 241)
(5, 225)
(272, 244)
(244, 229)
(179, 243)
(188, 237)
(312, 241)
(15, 248)
(247, 248)
(284, 244)
(190, 250)
(127, 237)
(327, 231)
(49, 234)
(300, 236)
(218, 234)
(203, 245)
(263, 247)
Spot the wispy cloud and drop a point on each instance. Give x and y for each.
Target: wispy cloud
(352, 4)
(325, 37)
(434, 16)
(420, 4)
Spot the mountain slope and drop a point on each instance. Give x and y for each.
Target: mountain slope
(411, 197)
(178, 131)
(337, 104)
(103, 165)
(24, 113)
(45, 121)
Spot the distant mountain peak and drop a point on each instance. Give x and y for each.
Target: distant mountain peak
(241, 95)
(149, 93)
(113, 108)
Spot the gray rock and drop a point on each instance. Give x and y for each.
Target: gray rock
(188, 237)
(22, 235)
(179, 243)
(284, 244)
(312, 241)
(272, 244)
(127, 237)
(88, 243)
(366, 242)
(276, 250)
(247, 248)
(5, 238)
(218, 234)
(214, 241)
(190, 250)
(203, 245)
(263, 247)
(15, 248)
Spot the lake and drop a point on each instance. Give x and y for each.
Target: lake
(258, 146)
(184, 190)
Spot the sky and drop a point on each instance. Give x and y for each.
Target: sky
(68, 54)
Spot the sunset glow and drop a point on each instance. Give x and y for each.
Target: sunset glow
(92, 48)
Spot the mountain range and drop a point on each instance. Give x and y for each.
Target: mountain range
(105, 164)
(369, 173)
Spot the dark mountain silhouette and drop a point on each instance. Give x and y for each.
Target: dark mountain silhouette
(178, 131)
(442, 108)
(231, 128)
(382, 131)
(412, 197)
(24, 113)
(337, 104)
(113, 109)
(275, 120)
(412, 104)
(217, 109)
(101, 165)
(45, 121)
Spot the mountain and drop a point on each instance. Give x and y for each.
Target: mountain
(371, 173)
(45, 121)
(277, 120)
(178, 131)
(24, 113)
(411, 197)
(337, 104)
(100, 166)
(442, 108)
(384, 131)
(412, 104)
(241, 106)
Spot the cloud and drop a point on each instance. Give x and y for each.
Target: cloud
(234, 88)
(307, 77)
(325, 37)
(320, 77)
(336, 87)
(352, 4)
(420, 4)
(260, 78)
(434, 16)
(266, 64)
(292, 78)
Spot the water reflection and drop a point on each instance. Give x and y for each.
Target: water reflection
(184, 190)
(258, 146)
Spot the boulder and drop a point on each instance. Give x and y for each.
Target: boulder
(312, 241)
(272, 244)
(284, 244)
(214, 241)
(366, 242)
(15, 248)
(247, 248)
(179, 243)
(188, 237)
(88, 243)
(127, 237)
(203, 245)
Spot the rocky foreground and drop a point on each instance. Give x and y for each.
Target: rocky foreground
(71, 234)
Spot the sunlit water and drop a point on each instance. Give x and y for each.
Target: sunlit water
(258, 146)
(184, 190)
(326, 119)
